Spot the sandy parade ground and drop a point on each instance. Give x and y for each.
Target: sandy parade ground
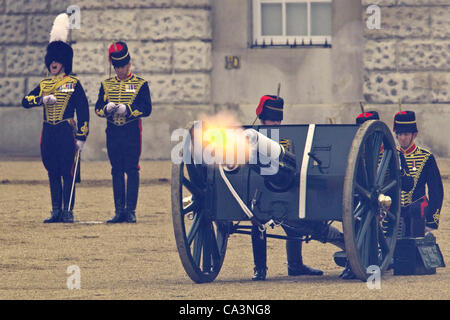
(140, 261)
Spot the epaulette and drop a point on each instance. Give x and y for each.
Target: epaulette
(426, 151)
(140, 78)
(74, 78)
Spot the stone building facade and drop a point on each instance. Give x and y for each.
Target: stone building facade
(179, 46)
(408, 60)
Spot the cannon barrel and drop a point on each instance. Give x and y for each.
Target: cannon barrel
(271, 160)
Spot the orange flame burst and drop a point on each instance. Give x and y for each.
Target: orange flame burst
(223, 139)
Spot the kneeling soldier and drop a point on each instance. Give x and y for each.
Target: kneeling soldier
(123, 100)
(61, 95)
(419, 212)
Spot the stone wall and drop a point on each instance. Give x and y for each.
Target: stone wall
(170, 46)
(408, 58)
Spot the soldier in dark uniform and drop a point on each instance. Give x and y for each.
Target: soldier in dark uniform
(270, 112)
(61, 95)
(123, 100)
(419, 212)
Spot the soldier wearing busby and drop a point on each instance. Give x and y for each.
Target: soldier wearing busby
(420, 208)
(270, 112)
(62, 96)
(123, 100)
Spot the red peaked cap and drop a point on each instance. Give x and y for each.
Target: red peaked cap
(270, 108)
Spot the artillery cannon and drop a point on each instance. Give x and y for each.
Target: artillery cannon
(316, 175)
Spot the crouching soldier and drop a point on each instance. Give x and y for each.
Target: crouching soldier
(270, 112)
(60, 95)
(123, 100)
(420, 210)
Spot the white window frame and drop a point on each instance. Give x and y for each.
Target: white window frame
(259, 39)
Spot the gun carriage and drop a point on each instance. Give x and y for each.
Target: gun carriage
(325, 173)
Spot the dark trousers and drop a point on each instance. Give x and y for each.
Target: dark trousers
(124, 150)
(413, 219)
(259, 245)
(58, 156)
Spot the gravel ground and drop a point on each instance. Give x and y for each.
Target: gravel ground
(141, 261)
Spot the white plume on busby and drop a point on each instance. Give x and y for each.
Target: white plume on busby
(58, 49)
(60, 28)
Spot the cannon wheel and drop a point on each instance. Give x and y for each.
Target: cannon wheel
(201, 242)
(370, 233)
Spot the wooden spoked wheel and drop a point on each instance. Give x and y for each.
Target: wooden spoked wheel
(201, 242)
(371, 199)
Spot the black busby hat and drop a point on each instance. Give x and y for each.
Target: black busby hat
(58, 49)
(369, 115)
(405, 121)
(270, 108)
(61, 52)
(119, 54)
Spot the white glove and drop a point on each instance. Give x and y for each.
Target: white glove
(111, 107)
(80, 144)
(121, 109)
(50, 99)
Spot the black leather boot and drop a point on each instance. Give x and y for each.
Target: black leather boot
(347, 273)
(295, 260)
(259, 273)
(119, 198)
(119, 216)
(67, 216)
(56, 196)
(131, 216)
(259, 247)
(300, 270)
(132, 195)
(55, 216)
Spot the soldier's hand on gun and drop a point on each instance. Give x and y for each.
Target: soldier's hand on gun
(111, 107)
(121, 109)
(80, 145)
(50, 99)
